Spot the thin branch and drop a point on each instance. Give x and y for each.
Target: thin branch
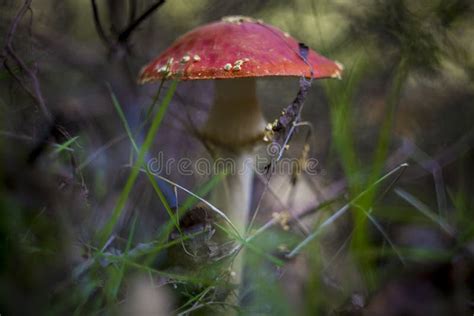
(125, 34)
(284, 128)
(16, 21)
(98, 24)
(12, 73)
(36, 94)
(132, 8)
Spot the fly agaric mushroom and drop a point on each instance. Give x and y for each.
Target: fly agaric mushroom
(234, 52)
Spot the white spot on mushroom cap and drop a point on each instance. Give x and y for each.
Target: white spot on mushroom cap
(239, 63)
(227, 67)
(161, 68)
(196, 58)
(185, 59)
(238, 19)
(336, 74)
(170, 61)
(165, 69)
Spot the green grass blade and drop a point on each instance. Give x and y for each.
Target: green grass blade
(65, 146)
(118, 281)
(106, 231)
(425, 210)
(342, 210)
(119, 110)
(152, 180)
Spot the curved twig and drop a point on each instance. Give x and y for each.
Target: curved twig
(125, 34)
(8, 49)
(98, 24)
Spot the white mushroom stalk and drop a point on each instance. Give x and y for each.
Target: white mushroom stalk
(234, 125)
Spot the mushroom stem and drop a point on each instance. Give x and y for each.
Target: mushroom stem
(233, 195)
(235, 122)
(234, 125)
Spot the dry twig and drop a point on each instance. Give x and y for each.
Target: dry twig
(9, 51)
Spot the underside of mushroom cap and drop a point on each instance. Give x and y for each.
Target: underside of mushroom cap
(236, 47)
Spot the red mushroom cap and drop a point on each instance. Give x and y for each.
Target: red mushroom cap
(236, 47)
